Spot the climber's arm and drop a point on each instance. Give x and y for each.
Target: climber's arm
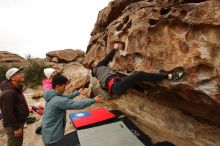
(107, 59)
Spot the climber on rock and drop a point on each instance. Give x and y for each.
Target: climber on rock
(114, 84)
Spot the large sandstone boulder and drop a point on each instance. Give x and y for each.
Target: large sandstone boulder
(79, 75)
(65, 56)
(164, 36)
(7, 57)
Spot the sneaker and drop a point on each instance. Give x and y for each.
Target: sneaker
(177, 75)
(38, 130)
(31, 120)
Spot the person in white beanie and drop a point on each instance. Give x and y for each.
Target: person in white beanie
(13, 106)
(47, 83)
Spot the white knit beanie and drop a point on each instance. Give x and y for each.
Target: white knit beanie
(48, 72)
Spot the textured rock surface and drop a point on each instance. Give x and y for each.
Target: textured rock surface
(7, 57)
(166, 36)
(64, 56)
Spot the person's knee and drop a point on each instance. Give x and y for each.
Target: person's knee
(118, 89)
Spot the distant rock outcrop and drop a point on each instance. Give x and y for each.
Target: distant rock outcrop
(164, 36)
(65, 56)
(7, 57)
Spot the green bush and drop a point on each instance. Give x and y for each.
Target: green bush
(34, 72)
(3, 69)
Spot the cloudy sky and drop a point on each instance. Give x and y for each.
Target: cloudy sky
(36, 27)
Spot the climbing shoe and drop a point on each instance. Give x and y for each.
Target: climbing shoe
(177, 75)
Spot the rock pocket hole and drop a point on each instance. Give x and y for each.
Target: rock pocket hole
(164, 11)
(126, 19)
(153, 21)
(192, 1)
(119, 27)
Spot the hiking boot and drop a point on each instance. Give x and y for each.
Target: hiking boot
(177, 75)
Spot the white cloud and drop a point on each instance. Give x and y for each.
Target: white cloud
(38, 26)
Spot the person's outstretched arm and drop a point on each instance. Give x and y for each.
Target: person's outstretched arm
(69, 104)
(73, 94)
(107, 59)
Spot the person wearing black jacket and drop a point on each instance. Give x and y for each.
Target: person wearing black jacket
(111, 81)
(13, 106)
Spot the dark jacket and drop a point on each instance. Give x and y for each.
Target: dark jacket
(13, 106)
(104, 73)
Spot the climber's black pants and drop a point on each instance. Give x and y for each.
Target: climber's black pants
(121, 85)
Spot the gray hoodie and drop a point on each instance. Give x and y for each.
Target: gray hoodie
(54, 117)
(104, 74)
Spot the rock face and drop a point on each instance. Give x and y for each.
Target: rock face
(65, 56)
(7, 57)
(77, 73)
(165, 36)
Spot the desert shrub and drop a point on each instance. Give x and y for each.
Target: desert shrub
(3, 69)
(34, 72)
